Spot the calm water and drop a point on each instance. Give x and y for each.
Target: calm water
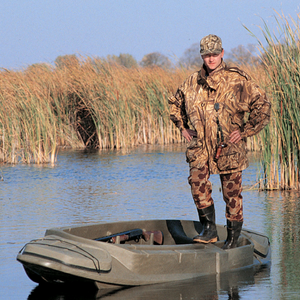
(147, 183)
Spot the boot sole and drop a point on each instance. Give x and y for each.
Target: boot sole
(205, 242)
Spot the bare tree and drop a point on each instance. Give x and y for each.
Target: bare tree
(242, 55)
(124, 59)
(156, 59)
(66, 60)
(191, 57)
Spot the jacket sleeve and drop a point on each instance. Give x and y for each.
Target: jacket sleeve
(177, 110)
(259, 109)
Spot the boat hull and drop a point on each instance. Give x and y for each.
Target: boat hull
(71, 254)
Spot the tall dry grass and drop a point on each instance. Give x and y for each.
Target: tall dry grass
(280, 54)
(87, 103)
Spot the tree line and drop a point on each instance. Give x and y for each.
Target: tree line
(190, 59)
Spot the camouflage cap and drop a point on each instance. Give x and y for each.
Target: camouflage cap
(211, 44)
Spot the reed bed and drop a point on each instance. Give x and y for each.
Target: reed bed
(280, 140)
(85, 103)
(128, 107)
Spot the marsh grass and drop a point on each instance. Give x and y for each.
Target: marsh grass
(280, 140)
(34, 116)
(89, 103)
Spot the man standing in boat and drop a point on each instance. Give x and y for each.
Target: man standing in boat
(209, 109)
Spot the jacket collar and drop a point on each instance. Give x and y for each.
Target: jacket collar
(211, 80)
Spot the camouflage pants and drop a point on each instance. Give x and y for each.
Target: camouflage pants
(231, 187)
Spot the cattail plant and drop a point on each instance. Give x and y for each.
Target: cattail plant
(84, 103)
(280, 54)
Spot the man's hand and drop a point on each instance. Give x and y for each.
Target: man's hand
(235, 137)
(188, 134)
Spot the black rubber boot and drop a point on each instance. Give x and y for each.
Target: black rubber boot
(233, 232)
(209, 231)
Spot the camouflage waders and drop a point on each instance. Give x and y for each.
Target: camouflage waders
(231, 186)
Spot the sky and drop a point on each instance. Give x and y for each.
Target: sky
(38, 31)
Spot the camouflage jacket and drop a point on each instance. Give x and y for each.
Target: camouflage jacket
(242, 106)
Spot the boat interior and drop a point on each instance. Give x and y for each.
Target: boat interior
(174, 232)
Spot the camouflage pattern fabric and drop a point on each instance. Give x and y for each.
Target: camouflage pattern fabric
(231, 186)
(211, 44)
(201, 187)
(232, 189)
(192, 107)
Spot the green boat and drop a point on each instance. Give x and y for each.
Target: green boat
(132, 253)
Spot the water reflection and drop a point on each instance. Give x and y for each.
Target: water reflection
(285, 209)
(228, 286)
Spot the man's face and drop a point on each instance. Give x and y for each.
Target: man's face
(212, 61)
